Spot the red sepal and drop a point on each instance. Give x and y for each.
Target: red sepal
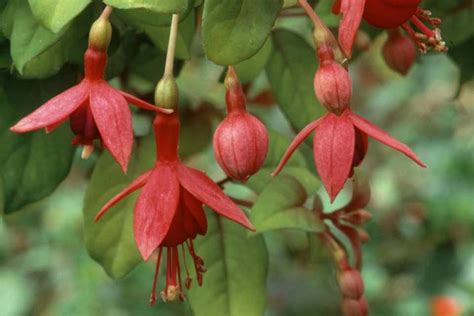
(205, 190)
(144, 105)
(352, 11)
(114, 122)
(55, 110)
(333, 151)
(155, 208)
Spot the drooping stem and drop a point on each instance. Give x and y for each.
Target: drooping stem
(311, 14)
(171, 46)
(106, 13)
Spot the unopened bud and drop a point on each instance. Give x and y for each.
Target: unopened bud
(100, 34)
(399, 52)
(354, 307)
(351, 284)
(166, 93)
(332, 83)
(364, 236)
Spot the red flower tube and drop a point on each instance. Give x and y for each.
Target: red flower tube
(399, 51)
(95, 109)
(168, 212)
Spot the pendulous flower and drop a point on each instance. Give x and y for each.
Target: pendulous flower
(399, 51)
(169, 211)
(241, 140)
(95, 109)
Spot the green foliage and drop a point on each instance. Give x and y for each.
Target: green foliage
(290, 71)
(162, 6)
(281, 205)
(235, 280)
(235, 30)
(110, 240)
(31, 165)
(55, 14)
(250, 68)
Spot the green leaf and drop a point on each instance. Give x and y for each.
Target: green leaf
(235, 280)
(29, 40)
(291, 72)
(55, 14)
(280, 205)
(160, 35)
(249, 69)
(295, 167)
(110, 241)
(235, 30)
(31, 165)
(160, 6)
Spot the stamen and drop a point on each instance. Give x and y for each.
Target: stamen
(155, 279)
(187, 283)
(87, 151)
(180, 284)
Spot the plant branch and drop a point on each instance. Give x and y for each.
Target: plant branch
(106, 13)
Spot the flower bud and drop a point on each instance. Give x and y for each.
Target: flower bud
(358, 217)
(352, 307)
(332, 83)
(351, 284)
(241, 140)
(166, 93)
(100, 33)
(399, 52)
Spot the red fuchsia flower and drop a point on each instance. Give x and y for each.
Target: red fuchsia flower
(241, 140)
(95, 109)
(169, 213)
(340, 141)
(399, 51)
(389, 14)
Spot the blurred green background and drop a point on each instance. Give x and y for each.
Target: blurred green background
(421, 243)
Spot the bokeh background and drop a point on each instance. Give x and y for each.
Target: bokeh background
(420, 257)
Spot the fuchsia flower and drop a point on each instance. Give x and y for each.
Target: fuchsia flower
(169, 213)
(389, 14)
(340, 141)
(95, 109)
(241, 140)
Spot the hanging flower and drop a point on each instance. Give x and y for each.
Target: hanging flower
(340, 141)
(95, 109)
(241, 140)
(399, 51)
(169, 214)
(389, 14)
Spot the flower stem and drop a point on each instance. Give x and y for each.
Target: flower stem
(311, 14)
(106, 13)
(171, 46)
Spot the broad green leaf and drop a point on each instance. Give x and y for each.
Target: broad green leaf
(55, 14)
(110, 241)
(280, 205)
(31, 165)
(249, 69)
(291, 70)
(235, 30)
(457, 28)
(159, 35)
(295, 167)
(29, 39)
(160, 6)
(235, 280)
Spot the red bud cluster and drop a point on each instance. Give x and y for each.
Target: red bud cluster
(399, 52)
(241, 140)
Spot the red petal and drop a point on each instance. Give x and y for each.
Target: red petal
(143, 104)
(55, 110)
(352, 11)
(195, 208)
(155, 209)
(302, 135)
(114, 122)
(383, 137)
(333, 152)
(205, 190)
(135, 185)
(336, 7)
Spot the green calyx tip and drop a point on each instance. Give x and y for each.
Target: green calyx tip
(231, 80)
(166, 93)
(100, 34)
